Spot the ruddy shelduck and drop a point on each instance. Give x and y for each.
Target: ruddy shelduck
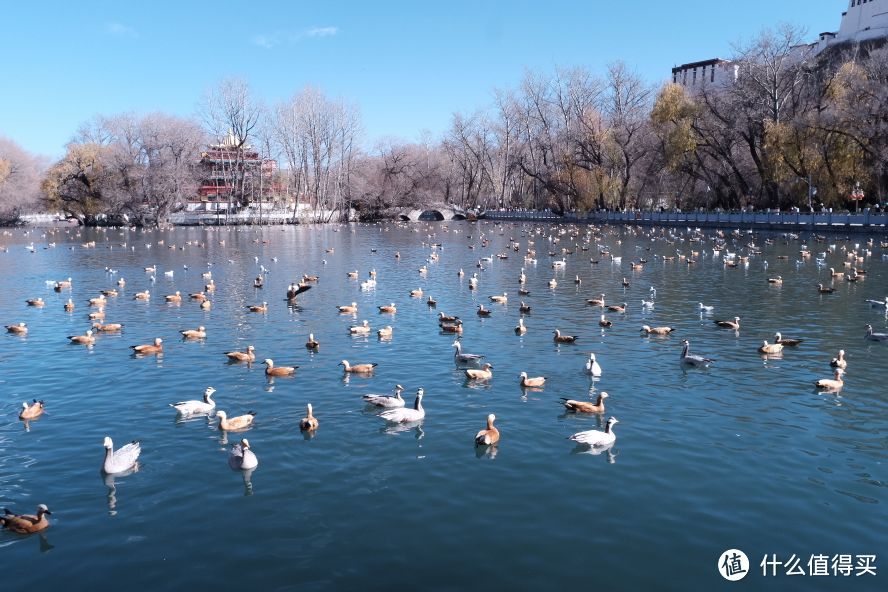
(150, 348)
(357, 368)
(483, 373)
(309, 422)
(586, 406)
(488, 436)
(87, 339)
(26, 523)
(32, 411)
(535, 381)
(241, 422)
(242, 356)
(272, 370)
(199, 333)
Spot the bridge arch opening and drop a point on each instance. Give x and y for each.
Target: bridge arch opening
(459, 217)
(429, 215)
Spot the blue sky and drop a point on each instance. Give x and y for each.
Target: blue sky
(407, 65)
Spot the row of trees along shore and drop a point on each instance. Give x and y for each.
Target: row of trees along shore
(570, 141)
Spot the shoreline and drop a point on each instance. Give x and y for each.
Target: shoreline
(861, 223)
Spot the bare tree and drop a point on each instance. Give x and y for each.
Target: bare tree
(230, 111)
(20, 175)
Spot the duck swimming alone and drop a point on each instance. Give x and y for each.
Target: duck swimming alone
(362, 329)
(593, 438)
(32, 411)
(312, 343)
(151, 348)
(26, 523)
(692, 360)
(199, 333)
(586, 406)
(260, 308)
(520, 329)
(536, 381)
(592, 366)
(831, 384)
(87, 339)
(786, 341)
(20, 329)
(357, 368)
(839, 361)
(656, 330)
(770, 349)
(735, 324)
(460, 358)
(483, 373)
(242, 457)
(272, 370)
(488, 436)
(309, 422)
(559, 338)
(121, 460)
(241, 422)
(875, 336)
(242, 356)
(194, 407)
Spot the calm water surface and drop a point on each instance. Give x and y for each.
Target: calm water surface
(747, 454)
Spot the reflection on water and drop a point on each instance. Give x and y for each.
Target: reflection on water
(698, 441)
(110, 481)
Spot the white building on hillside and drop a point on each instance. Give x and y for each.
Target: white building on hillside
(864, 20)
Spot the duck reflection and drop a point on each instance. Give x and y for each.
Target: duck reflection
(110, 481)
(597, 451)
(399, 428)
(488, 452)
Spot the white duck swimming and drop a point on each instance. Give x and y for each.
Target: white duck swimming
(405, 414)
(192, 407)
(592, 366)
(242, 457)
(387, 401)
(875, 336)
(461, 358)
(690, 359)
(121, 460)
(596, 437)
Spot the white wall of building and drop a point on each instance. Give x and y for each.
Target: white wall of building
(864, 19)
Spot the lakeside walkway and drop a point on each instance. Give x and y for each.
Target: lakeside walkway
(781, 221)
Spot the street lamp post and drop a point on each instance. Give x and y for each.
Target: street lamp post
(857, 195)
(812, 191)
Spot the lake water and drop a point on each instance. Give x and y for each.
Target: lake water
(744, 455)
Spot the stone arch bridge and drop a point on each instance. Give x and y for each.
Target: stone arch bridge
(433, 211)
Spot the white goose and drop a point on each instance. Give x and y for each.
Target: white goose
(592, 366)
(875, 336)
(387, 401)
(690, 359)
(461, 358)
(879, 303)
(595, 437)
(404, 414)
(193, 407)
(242, 457)
(121, 460)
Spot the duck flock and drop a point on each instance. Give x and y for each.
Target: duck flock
(559, 247)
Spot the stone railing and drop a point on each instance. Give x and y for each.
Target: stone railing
(868, 220)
